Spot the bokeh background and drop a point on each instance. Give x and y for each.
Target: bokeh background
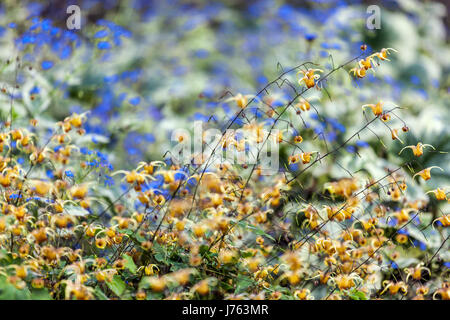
(144, 68)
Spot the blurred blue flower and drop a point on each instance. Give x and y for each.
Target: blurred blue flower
(46, 64)
(101, 34)
(104, 45)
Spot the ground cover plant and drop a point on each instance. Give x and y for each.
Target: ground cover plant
(224, 150)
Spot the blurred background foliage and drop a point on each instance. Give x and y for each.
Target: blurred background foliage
(143, 68)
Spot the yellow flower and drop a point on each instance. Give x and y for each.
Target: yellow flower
(21, 272)
(101, 276)
(100, 243)
(79, 192)
(303, 106)
(394, 135)
(293, 159)
(76, 120)
(159, 200)
(226, 256)
(141, 295)
(366, 63)
(303, 294)
(444, 220)
(401, 238)
(385, 117)
(382, 55)
(309, 77)
(202, 287)
(151, 269)
(241, 100)
(418, 149)
(306, 157)
(157, 284)
(426, 173)
(199, 230)
(344, 281)
(439, 193)
(377, 109)
(37, 283)
(417, 272)
(359, 72)
(134, 177)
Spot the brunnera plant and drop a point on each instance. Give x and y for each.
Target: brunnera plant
(204, 230)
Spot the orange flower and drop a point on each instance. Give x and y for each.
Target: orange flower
(426, 173)
(79, 192)
(377, 109)
(294, 159)
(100, 243)
(394, 134)
(306, 156)
(418, 149)
(309, 77)
(439, 193)
(444, 220)
(241, 100)
(303, 106)
(359, 72)
(382, 55)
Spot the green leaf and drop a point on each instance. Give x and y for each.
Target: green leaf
(256, 230)
(75, 211)
(357, 295)
(203, 249)
(129, 263)
(10, 292)
(117, 285)
(243, 283)
(160, 254)
(40, 294)
(99, 294)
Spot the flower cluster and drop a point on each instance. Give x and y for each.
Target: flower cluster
(178, 233)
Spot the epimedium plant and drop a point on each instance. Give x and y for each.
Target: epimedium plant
(70, 230)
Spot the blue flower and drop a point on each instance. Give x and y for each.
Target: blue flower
(362, 144)
(179, 176)
(351, 149)
(202, 53)
(109, 181)
(65, 52)
(392, 222)
(69, 173)
(101, 34)
(46, 64)
(331, 46)
(15, 196)
(135, 101)
(310, 36)
(50, 174)
(103, 45)
(35, 90)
